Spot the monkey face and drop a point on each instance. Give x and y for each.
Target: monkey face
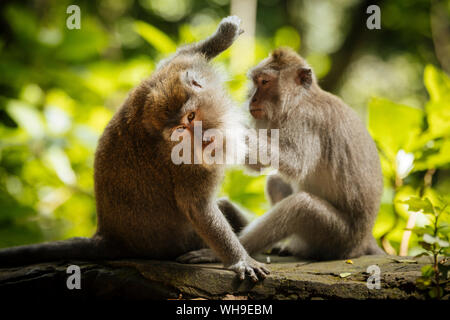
(201, 121)
(275, 79)
(264, 94)
(207, 103)
(188, 107)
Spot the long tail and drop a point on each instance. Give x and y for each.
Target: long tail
(74, 248)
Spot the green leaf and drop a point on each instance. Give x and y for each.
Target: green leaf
(27, 117)
(404, 260)
(423, 254)
(435, 240)
(394, 126)
(435, 292)
(416, 204)
(427, 271)
(158, 39)
(444, 228)
(446, 251)
(443, 243)
(438, 108)
(436, 156)
(422, 231)
(426, 245)
(437, 83)
(423, 283)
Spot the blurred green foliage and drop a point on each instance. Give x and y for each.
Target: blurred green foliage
(60, 87)
(435, 275)
(414, 146)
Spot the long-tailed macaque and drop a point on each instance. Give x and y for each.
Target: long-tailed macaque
(148, 206)
(327, 193)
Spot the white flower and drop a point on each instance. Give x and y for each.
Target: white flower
(404, 163)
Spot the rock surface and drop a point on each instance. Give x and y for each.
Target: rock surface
(149, 279)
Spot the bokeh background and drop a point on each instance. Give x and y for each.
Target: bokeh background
(60, 87)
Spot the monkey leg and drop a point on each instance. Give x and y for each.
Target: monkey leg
(320, 226)
(235, 217)
(373, 248)
(277, 189)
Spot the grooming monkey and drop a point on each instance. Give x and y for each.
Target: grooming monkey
(327, 193)
(147, 206)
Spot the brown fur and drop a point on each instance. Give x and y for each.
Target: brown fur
(147, 206)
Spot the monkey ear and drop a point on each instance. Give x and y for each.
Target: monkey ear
(193, 81)
(304, 77)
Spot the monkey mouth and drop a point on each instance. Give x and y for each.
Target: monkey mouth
(207, 141)
(257, 113)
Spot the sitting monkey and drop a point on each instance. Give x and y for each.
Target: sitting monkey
(148, 206)
(327, 194)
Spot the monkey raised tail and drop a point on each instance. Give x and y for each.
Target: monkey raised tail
(74, 248)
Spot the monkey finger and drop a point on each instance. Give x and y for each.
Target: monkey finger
(251, 273)
(239, 268)
(266, 271)
(241, 274)
(262, 272)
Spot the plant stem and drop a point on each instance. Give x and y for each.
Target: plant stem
(407, 234)
(427, 181)
(436, 275)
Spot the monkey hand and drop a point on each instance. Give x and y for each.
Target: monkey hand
(198, 256)
(229, 28)
(248, 266)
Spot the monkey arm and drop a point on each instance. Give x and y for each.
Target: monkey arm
(237, 221)
(222, 39)
(213, 228)
(277, 189)
(209, 222)
(265, 152)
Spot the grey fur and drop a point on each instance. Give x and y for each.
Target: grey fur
(331, 163)
(327, 194)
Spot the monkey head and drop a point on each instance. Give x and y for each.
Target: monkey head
(283, 74)
(187, 98)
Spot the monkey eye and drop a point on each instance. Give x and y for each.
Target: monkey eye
(195, 83)
(191, 116)
(264, 81)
